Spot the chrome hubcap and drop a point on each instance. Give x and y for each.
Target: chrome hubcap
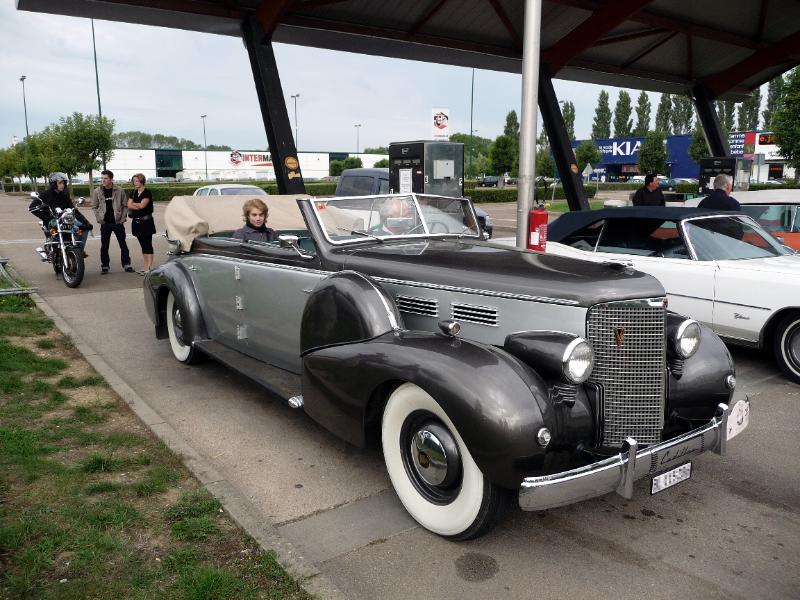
(177, 319)
(434, 454)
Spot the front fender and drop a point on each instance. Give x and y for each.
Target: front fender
(174, 277)
(496, 403)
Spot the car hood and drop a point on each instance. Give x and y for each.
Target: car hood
(480, 266)
(780, 265)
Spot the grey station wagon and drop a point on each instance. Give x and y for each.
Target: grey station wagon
(486, 374)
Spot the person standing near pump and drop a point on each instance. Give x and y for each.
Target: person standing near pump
(110, 206)
(720, 198)
(143, 227)
(650, 193)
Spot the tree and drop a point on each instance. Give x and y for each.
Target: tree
(336, 167)
(377, 150)
(748, 112)
(681, 116)
(698, 149)
(503, 154)
(382, 164)
(623, 125)
(587, 153)
(31, 157)
(653, 153)
(774, 94)
(544, 162)
(601, 127)
(642, 114)
(786, 122)
(568, 112)
(664, 114)
(479, 146)
(482, 164)
(10, 164)
(726, 114)
(511, 131)
(86, 141)
(218, 147)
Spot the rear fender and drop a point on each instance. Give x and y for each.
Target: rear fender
(174, 277)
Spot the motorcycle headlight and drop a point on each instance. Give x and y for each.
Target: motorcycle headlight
(687, 339)
(68, 218)
(578, 361)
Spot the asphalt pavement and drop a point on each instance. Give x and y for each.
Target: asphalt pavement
(731, 532)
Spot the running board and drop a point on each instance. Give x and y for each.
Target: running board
(278, 382)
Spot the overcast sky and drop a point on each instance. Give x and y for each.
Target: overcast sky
(161, 80)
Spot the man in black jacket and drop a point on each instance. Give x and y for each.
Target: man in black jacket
(650, 194)
(57, 197)
(720, 198)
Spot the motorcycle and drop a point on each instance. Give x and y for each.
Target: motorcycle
(62, 246)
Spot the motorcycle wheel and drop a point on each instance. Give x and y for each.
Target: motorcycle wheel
(72, 274)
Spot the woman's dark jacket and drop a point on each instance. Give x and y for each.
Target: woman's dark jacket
(249, 233)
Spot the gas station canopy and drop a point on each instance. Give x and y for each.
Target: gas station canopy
(728, 46)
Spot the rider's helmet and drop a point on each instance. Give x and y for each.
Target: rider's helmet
(56, 177)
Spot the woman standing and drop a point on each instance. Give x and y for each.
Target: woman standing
(140, 210)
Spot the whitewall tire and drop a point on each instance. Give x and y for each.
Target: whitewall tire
(183, 352)
(432, 470)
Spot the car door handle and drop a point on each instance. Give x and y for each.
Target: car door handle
(192, 268)
(308, 290)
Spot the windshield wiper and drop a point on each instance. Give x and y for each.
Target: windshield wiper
(364, 233)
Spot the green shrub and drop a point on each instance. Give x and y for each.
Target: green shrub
(479, 195)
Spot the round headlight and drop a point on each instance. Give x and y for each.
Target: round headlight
(69, 218)
(687, 338)
(578, 361)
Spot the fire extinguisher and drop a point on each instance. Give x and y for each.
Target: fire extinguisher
(537, 237)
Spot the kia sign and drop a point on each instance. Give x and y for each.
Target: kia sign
(440, 123)
(618, 151)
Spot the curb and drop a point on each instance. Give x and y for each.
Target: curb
(310, 578)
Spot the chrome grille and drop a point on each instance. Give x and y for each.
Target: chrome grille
(628, 338)
(428, 307)
(472, 313)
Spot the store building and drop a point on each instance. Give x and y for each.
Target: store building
(620, 158)
(768, 164)
(198, 165)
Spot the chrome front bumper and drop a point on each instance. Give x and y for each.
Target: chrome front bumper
(617, 474)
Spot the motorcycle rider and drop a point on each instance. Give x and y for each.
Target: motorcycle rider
(58, 197)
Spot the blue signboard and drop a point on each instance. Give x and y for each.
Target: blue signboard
(625, 151)
(617, 151)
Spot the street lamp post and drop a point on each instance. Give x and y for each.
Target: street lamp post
(358, 128)
(25, 104)
(296, 135)
(205, 145)
(97, 83)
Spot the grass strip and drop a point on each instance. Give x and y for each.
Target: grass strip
(91, 505)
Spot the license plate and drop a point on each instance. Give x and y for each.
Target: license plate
(670, 478)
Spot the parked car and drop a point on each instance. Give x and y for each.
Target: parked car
(364, 182)
(230, 189)
(719, 267)
(489, 181)
(483, 372)
(667, 183)
(777, 211)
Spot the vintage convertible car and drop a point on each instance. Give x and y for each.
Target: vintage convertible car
(484, 373)
(719, 267)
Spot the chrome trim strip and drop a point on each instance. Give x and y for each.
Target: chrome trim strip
(618, 472)
(261, 263)
(490, 293)
(389, 312)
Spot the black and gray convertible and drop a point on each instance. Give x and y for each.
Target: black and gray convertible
(484, 373)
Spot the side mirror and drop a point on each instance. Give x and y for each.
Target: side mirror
(81, 200)
(35, 195)
(288, 241)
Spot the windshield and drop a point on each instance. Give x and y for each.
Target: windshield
(243, 191)
(731, 238)
(394, 216)
(775, 218)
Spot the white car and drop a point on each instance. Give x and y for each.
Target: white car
(720, 268)
(230, 189)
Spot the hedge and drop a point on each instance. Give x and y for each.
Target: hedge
(510, 194)
(165, 193)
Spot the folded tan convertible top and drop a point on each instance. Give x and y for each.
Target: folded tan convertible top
(188, 217)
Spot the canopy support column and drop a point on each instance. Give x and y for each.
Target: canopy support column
(707, 114)
(527, 135)
(560, 143)
(273, 108)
